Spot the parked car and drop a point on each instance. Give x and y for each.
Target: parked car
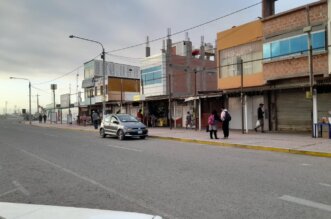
(122, 125)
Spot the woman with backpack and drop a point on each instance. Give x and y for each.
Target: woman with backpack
(212, 122)
(225, 118)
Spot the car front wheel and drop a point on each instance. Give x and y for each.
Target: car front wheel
(102, 133)
(121, 135)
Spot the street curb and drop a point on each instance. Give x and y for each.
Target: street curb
(251, 147)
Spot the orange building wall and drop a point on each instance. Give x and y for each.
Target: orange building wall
(248, 81)
(235, 37)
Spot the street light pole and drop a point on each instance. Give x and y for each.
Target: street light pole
(103, 71)
(29, 95)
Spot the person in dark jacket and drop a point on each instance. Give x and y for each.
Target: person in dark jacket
(260, 118)
(95, 119)
(225, 118)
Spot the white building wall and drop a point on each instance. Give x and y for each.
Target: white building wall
(155, 89)
(235, 111)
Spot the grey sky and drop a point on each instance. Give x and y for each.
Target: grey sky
(34, 34)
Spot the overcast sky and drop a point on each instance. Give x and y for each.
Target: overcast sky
(34, 40)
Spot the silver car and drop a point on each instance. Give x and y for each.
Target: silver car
(122, 125)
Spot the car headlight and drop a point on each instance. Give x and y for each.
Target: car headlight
(128, 129)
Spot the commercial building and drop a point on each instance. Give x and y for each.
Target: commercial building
(173, 82)
(122, 84)
(288, 69)
(267, 61)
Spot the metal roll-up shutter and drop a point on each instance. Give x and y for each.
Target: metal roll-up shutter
(293, 111)
(323, 105)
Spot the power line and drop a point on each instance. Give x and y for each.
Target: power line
(154, 40)
(188, 29)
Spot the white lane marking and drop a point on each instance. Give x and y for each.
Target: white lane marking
(306, 164)
(8, 192)
(21, 188)
(93, 182)
(125, 148)
(306, 202)
(325, 184)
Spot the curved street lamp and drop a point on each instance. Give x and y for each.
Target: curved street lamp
(103, 71)
(26, 79)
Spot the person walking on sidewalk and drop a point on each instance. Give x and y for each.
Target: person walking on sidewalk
(260, 118)
(212, 122)
(188, 119)
(45, 118)
(95, 119)
(225, 118)
(40, 118)
(140, 116)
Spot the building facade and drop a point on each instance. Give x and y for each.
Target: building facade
(286, 66)
(240, 73)
(121, 81)
(182, 75)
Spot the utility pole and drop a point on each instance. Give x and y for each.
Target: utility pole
(312, 91)
(241, 63)
(168, 69)
(54, 87)
(38, 103)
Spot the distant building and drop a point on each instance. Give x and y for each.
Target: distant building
(122, 83)
(183, 73)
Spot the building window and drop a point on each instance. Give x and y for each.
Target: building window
(252, 63)
(101, 90)
(151, 75)
(294, 45)
(96, 91)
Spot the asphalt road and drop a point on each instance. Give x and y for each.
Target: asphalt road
(167, 178)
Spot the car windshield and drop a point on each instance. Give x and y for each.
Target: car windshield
(127, 118)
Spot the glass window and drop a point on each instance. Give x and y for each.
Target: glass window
(127, 118)
(294, 45)
(113, 118)
(318, 41)
(266, 51)
(275, 49)
(151, 75)
(298, 44)
(284, 47)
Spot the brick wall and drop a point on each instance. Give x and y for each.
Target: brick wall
(295, 67)
(292, 21)
(183, 82)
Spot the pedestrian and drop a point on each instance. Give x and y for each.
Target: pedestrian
(84, 118)
(260, 118)
(188, 119)
(225, 118)
(212, 122)
(95, 119)
(45, 118)
(140, 115)
(153, 120)
(40, 118)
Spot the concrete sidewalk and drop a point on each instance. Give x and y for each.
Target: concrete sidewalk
(296, 143)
